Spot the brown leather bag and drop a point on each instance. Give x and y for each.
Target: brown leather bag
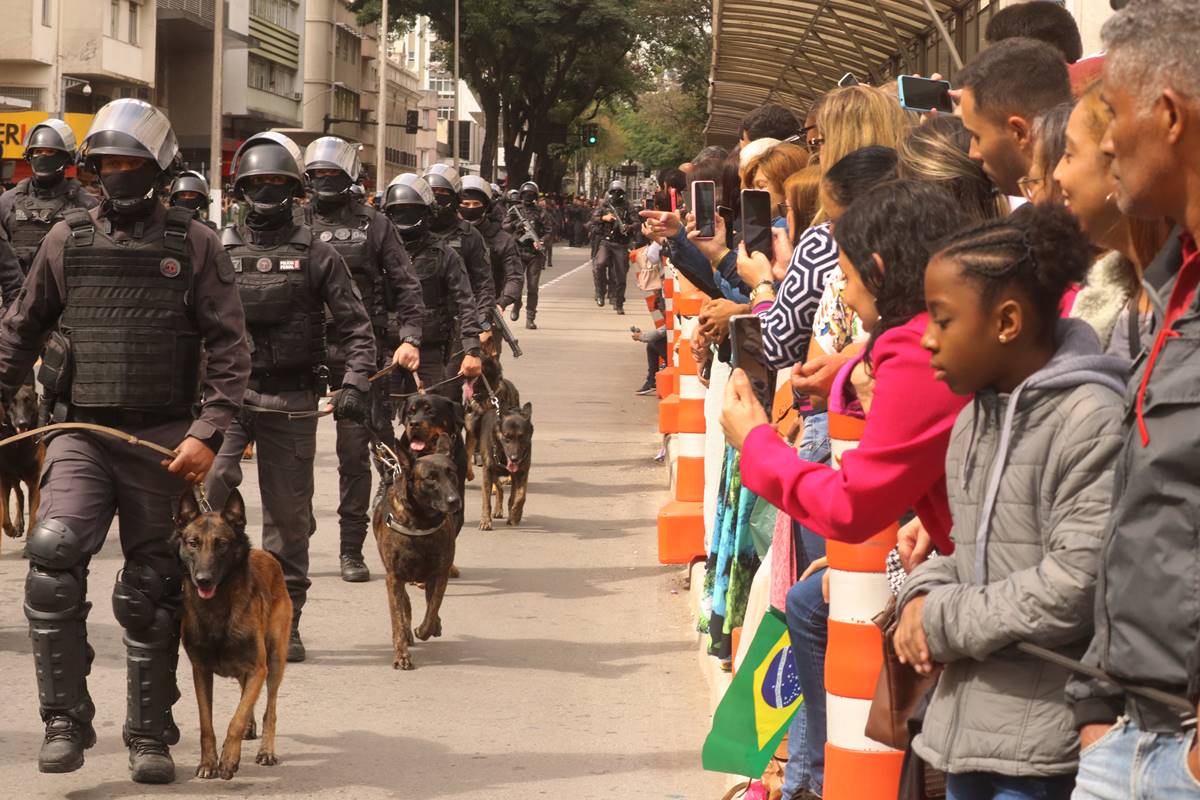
(899, 689)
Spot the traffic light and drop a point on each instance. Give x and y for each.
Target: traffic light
(412, 121)
(591, 134)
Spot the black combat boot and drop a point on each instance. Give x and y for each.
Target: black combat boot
(66, 739)
(354, 569)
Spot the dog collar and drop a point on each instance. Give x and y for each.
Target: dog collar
(398, 528)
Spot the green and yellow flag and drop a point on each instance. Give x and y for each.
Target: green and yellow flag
(758, 705)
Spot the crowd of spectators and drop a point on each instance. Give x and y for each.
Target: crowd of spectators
(1008, 297)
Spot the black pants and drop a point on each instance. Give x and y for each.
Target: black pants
(532, 261)
(613, 257)
(655, 351)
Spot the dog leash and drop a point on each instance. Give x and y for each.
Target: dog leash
(128, 438)
(491, 392)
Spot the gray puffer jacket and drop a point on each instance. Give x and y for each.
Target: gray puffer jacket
(1030, 484)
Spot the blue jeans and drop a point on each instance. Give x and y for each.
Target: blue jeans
(990, 786)
(808, 619)
(1128, 763)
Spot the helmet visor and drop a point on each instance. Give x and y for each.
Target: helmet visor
(140, 121)
(330, 152)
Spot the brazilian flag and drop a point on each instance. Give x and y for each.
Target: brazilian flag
(758, 705)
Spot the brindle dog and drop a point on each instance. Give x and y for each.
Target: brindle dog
(506, 444)
(236, 619)
(20, 462)
(481, 402)
(415, 528)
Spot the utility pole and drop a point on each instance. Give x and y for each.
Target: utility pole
(214, 147)
(382, 113)
(454, 111)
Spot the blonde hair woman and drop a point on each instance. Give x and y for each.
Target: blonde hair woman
(858, 116)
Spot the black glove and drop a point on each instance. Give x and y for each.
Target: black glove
(350, 404)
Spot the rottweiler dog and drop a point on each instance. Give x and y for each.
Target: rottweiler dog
(236, 619)
(506, 444)
(20, 462)
(481, 402)
(415, 528)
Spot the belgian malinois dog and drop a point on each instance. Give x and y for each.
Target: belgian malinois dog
(20, 462)
(236, 619)
(415, 527)
(506, 444)
(481, 402)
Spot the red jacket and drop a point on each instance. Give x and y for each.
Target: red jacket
(899, 465)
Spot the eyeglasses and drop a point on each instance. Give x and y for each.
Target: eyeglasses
(814, 145)
(1029, 186)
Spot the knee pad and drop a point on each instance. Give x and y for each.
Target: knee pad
(52, 594)
(54, 546)
(139, 594)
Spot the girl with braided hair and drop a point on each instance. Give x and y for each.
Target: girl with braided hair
(1029, 476)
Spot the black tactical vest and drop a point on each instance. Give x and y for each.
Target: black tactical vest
(429, 265)
(134, 342)
(32, 217)
(284, 319)
(350, 238)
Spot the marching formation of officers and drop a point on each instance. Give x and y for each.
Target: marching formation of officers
(149, 321)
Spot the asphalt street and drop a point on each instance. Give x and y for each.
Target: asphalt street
(567, 668)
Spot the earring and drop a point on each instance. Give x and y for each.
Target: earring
(1004, 338)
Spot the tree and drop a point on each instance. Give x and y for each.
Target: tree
(664, 129)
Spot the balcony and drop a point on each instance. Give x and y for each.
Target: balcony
(198, 13)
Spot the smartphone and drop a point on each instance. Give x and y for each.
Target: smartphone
(756, 222)
(746, 348)
(923, 95)
(704, 206)
(727, 214)
(848, 80)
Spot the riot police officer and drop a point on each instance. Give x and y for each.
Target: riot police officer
(190, 190)
(391, 295)
(527, 223)
(31, 208)
(409, 203)
(133, 292)
(614, 222)
(479, 199)
(287, 277)
(447, 224)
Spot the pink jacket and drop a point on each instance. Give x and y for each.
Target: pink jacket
(899, 465)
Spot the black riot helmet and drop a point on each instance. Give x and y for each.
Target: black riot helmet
(276, 159)
(190, 190)
(134, 129)
(529, 192)
(331, 153)
(443, 180)
(616, 191)
(476, 188)
(52, 134)
(409, 203)
(512, 196)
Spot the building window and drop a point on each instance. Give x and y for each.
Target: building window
(347, 45)
(444, 86)
(133, 23)
(345, 104)
(114, 22)
(32, 94)
(277, 12)
(270, 77)
(444, 112)
(46, 13)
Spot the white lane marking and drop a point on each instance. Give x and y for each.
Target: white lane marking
(548, 284)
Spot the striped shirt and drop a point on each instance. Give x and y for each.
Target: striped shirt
(787, 323)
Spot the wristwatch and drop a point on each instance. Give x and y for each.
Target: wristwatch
(414, 341)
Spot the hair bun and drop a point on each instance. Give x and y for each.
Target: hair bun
(1058, 245)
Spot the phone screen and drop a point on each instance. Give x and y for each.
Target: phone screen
(756, 221)
(923, 94)
(745, 333)
(704, 206)
(727, 214)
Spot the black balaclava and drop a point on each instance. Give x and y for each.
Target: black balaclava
(270, 204)
(410, 221)
(130, 194)
(48, 170)
(473, 215)
(331, 191)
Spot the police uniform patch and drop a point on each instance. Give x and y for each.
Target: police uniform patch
(263, 264)
(289, 264)
(358, 236)
(326, 236)
(342, 234)
(226, 268)
(237, 265)
(170, 267)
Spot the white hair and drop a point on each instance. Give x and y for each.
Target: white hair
(1152, 46)
(754, 150)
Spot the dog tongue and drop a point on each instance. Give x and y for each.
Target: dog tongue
(513, 467)
(206, 594)
(417, 445)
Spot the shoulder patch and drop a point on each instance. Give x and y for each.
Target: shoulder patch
(225, 272)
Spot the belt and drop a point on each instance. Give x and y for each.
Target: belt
(285, 382)
(123, 417)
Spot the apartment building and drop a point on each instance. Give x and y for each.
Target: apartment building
(69, 56)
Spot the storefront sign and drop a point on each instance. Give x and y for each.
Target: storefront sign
(15, 125)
